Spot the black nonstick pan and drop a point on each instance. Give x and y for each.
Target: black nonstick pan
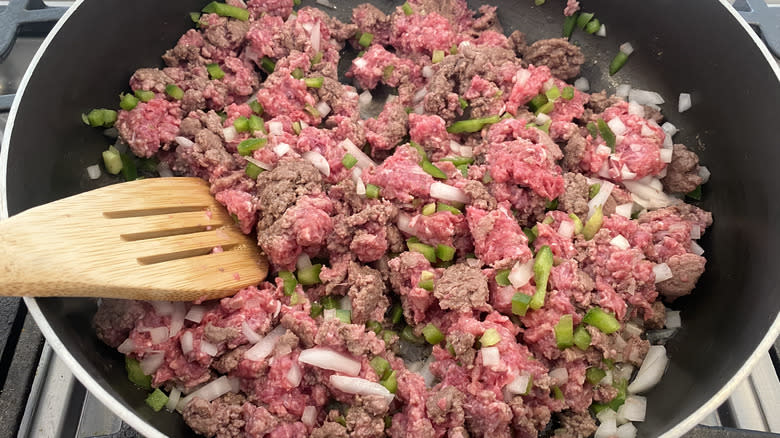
(698, 46)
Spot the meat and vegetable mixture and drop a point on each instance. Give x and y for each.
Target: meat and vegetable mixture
(485, 257)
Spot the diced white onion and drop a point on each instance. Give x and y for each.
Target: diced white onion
(626, 173)
(648, 196)
(704, 173)
(316, 37)
(403, 223)
(281, 149)
(448, 193)
(208, 348)
(162, 308)
(625, 210)
(419, 95)
(363, 160)
(622, 90)
(627, 430)
(666, 155)
(623, 371)
(521, 273)
(608, 378)
(209, 392)
(633, 409)
(604, 150)
(542, 118)
(673, 319)
(325, 3)
(158, 334)
(252, 336)
(662, 272)
(275, 127)
(329, 314)
(309, 416)
(184, 142)
(627, 48)
(566, 229)
(490, 356)
(695, 231)
(360, 186)
(620, 242)
(173, 399)
(177, 318)
(696, 249)
(684, 102)
(265, 346)
(151, 362)
(323, 108)
(427, 72)
(186, 342)
(601, 198)
(195, 313)
(258, 163)
(365, 98)
(126, 347)
(651, 371)
(359, 63)
(668, 143)
(356, 385)
(602, 32)
(607, 429)
(559, 376)
(318, 161)
(582, 84)
(669, 128)
(294, 375)
(330, 360)
(647, 132)
(303, 262)
(93, 171)
(617, 126)
(606, 415)
(631, 330)
(230, 133)
(645, 97)
(519, 385)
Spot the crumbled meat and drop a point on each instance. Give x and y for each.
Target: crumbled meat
(369, 18)
(302, 325)
(216, 418)
(682, 174)
(574, 151)
(686, 270)
(446, 405)
(330, 429)
(576, 425)
(281, 188)
(361, 424)
(562, 57)
(656, 318)
(463, 345)
(229, 361)
(599, 102)
(367, 294)
(216, 334)
(479, 195)
(351, 337)
(115, 318)
(575, 196)
(517, 41)
(461, 288)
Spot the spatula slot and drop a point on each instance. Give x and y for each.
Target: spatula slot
(119, 214)
(131, 237)
(194, 252)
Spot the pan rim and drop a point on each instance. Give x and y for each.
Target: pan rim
(146, 429)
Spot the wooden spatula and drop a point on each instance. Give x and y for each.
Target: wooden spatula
(151, 239)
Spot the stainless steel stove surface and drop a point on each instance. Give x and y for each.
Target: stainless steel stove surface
(40, 398)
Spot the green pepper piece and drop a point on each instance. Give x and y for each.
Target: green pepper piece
(365, 39)
(489, 338)
(438, 56)
(407, 8)
(112, 160)
(135, 375)
(695, 194)
(593, 190)
(617, 63)
(542, 266)
(428, 251)
(582, 338)
(250, 145)
(607, 134)
(381, 367)
(537, 102)
(577, 223)
(174, 91)
(432, 334)
(391, 382)
(593, 224)
(568, 92)
(241, 124)
(253, 170)
(520, 302)
(426, 284)
(440, 207)
(457, 161)
(314, 82)
(432, 170)
(593, 26)
(267, 64)
(256, 107)
(557, 393)
(127, 101)
(225, 10)
(144, 95)
(445, 253)
(553, 93)
(310, 275)
(593, 130)
(396, 314)
(472, 125)
(215, 71)
(374, 326)
(584, 19)
(129, 169)
(564, 332)
(568, 25)
(289, 282)
(157, 400)
(329, 302)
(429, 209)
(372, 191)
(604, 321)
(387, 73)
(502, 277)
(343, 315)
(316, 310)
(463, 103)
(408, 335)
(594, 375)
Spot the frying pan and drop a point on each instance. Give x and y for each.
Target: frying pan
(702, 47)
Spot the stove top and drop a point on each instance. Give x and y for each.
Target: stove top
(41, 398)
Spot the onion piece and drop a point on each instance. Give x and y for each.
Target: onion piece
(666, 155)
(623, 371)
(229, 133)
(625, 210)
(162, 308)
(622, 90)
(627, 48)
(360, 186)
(177, 318)
(195, 314)
(251, 336)
(265, 346)
(490, 356)
(173, 398)
(627, 430)
(93, 171)
(448, 193)
(617, 126)
(673, 319)
(647, 196)
(566, 229)
(151, 362)
(365, 98)
(318, 161)
(323, 108)
(403, 223)
(316, 37)
(281, 149)
(620, 242)
(275, 127)
(126, 347)
(669, 128)
(356, 385)
(359, 63)
(645, 97)
(427, 72)
(294, 375)
(258, 163)
(158, 334)
(695, 231)
(521, 274)
(184, 142)
(309, 416)
(519, 385)
(330, 360)
(696, 249)
(684, 102)
(626, 173)
(602, 32)
(607, 429)
(651, 371)
(662, 272)
(186, 342)
(631, 330)
(208, 348)
(363, 160)
(303, 262)
(704, 173)
(559, 376)
(582, 84)
(209, 392)
(633, 409)
(542, 118)
(601, 197)
(419, 95)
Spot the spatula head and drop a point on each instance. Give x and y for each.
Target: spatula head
(151, 239)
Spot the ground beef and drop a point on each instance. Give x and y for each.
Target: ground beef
(563, 58)
(369, 18)
(576, 425)
(686, 270)
(575, 196)
(361, 424)
(387, 130)
(115, 318)
(216, 335)
(350, 337)
(599, 102)
(463, 345)
(461, 288)
(656, 318)
(259, 421)
(281, 188)
(214, 419)
(302, 325)
(446, 406)
(330, 430)
(367, 294)
(230, 360)
(573, 152)
(479, 195)
(682, 174)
